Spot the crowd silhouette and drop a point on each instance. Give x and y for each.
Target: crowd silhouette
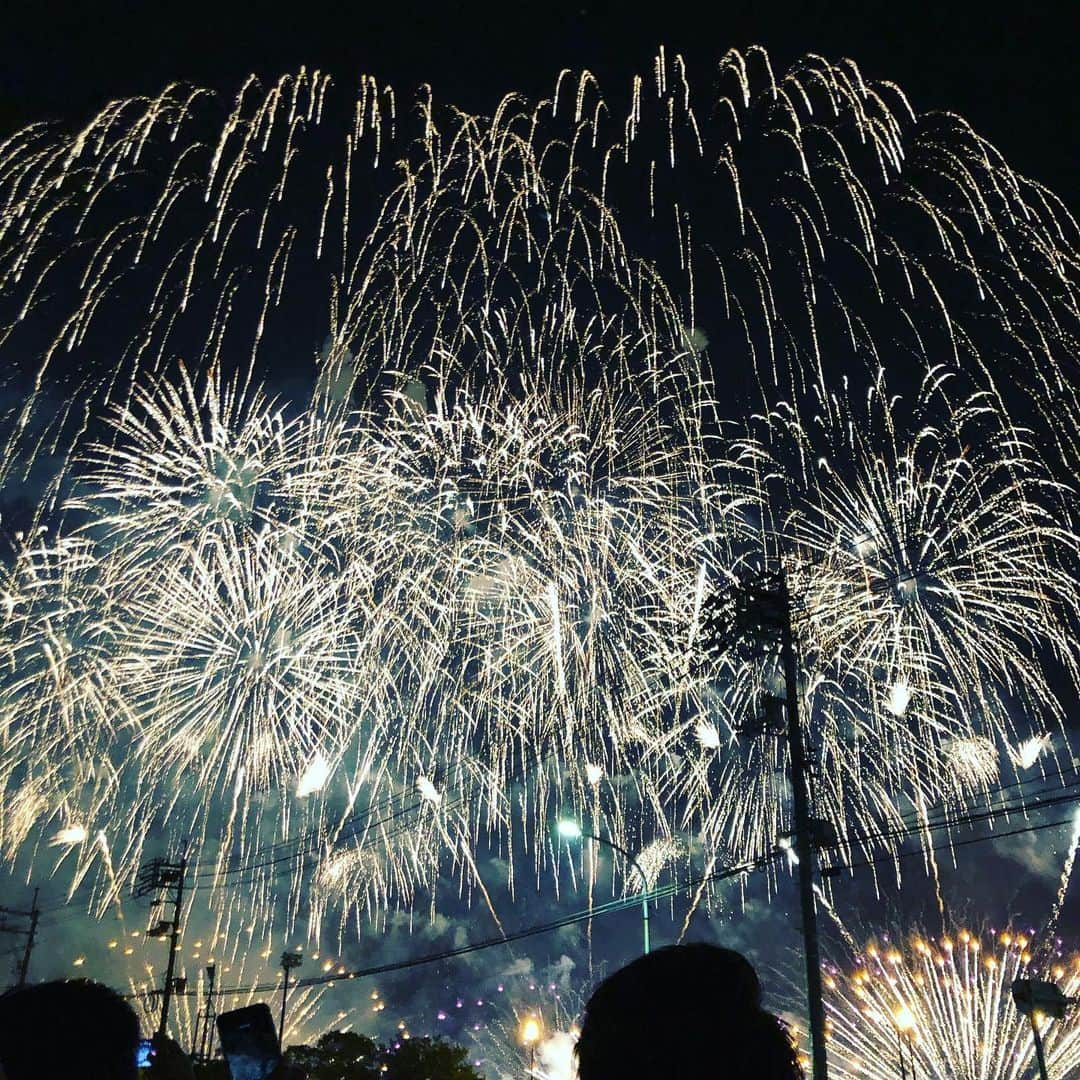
(681, 1012)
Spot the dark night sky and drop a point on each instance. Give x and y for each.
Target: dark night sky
(1012, 77)
(1011, 74)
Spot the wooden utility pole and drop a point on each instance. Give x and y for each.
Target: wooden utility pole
(168, 878)
(757, 615)
(30, 930)
(24, 966)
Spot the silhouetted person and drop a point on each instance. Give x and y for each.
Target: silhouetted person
(78, 1029)
(680, 1013)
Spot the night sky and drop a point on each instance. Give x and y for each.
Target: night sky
(1008, 71)
(1013, 77)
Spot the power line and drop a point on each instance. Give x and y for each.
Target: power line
(913, 826)
(623, 903)
(506, 939)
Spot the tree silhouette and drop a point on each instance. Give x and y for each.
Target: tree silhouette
(338, 1055)
(346, 1055)
(429, 1059)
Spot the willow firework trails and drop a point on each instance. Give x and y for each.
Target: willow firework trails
(578, 365)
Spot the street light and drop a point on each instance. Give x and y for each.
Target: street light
(904, 1019)
(289, 960)
(530, 1035)
(569, 829)
(1038, 999)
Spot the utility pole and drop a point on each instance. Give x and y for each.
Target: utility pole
(900, 1047)
(804, 845)
(758, 613)
(289, 960)
(203, 1047)
(1036, 999)
(1040, 1054)
(30, 931)
(168, 878)
(24, 967)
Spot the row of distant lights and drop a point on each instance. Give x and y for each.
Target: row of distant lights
(128, 950)
(378, 1004)
(966, 940)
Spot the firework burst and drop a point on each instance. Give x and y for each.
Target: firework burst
(451, 582)
(945, 1004)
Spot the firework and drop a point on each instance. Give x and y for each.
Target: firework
(945, 1005)
(536, 1023)
(936, 601)
(306, 1016)
(334, 643)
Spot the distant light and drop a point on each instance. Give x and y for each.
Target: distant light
(70, 834)
(314, 777)
(569, 829)
(530, 1030)
(904, 1018)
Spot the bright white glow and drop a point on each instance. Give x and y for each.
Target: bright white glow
(594, 774)
(569, 829)
(314, 777)
(788, 848)
(555, 1056)
(530, 1030)
(428, 791)
(899, 697)
(905, 1018)
(1030, 750)
(70, 834)
(707, 735)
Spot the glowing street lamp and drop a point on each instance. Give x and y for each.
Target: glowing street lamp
(904, 1019)
(571, 830)
(289, 962)
(530, 1034)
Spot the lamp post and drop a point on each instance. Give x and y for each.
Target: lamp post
(530, 1033)
(569, 829)
(905, 1025)
(289, 960)
(1038, 999)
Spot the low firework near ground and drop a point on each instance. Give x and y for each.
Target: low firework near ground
(944, 1005)
(383, 533)
(535, 1032)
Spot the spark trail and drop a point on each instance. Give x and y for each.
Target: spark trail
(365, 468)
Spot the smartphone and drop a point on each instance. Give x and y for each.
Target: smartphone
(144, 1054)
(249, 1042)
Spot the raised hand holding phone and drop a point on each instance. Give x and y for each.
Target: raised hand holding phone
(249, 1042)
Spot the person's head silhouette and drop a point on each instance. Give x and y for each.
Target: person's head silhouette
(68, 1029)
(683, 1012)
